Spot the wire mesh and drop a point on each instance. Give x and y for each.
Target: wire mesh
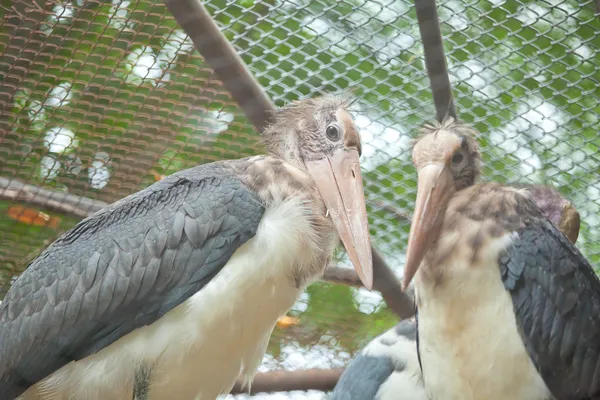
(100, 99)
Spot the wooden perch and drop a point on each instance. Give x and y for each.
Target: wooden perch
(284, 381)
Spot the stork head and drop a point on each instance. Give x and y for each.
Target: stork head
(319, 136)
(447, 159)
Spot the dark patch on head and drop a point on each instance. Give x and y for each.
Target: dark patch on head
(468, 174)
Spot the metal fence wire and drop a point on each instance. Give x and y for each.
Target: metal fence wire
(98, 99)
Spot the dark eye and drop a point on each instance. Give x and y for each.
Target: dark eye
(458, 158)
(333, 133)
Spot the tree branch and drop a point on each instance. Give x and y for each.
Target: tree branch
(54, 200)
(224, 60)
(284, 381)
(245, 89)
(435, 59)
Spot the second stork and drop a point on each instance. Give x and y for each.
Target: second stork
(508, 308)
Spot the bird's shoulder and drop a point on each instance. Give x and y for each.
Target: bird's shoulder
(507, 206)
(188, 206)
(556, 299)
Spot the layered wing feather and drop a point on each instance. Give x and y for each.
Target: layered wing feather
(121, 269)
(556, 298)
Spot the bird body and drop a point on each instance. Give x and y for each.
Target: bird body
(174, 291)
(507, 306)
(469, 343)
(387, 368)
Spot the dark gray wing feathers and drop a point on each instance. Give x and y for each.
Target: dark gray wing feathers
(120, 269)
(556, 298)
(364, 376)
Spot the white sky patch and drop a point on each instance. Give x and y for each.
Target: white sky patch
(368, 302)
(119, 15)
(36, 111)
(73, 164)
(453, 14)
(395, 46)
(177, 42)
(220, 121)
(316, 26)
(61, 14)
(98, 172)
(49, 168)
(381, 143)
(531, 13)
(57, 140)
(295, 395)
(145, 64)
(301, 304)
(475, 74)
(59, 95)
(458, 22)
(294, 357)
(537, 122)
(584, 51)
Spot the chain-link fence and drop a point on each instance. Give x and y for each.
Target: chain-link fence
(99, 99)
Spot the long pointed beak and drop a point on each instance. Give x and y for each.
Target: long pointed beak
(339, 182)
(434, 190)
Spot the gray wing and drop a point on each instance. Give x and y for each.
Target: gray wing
(390, 360)
(556, 298)
(121, 269)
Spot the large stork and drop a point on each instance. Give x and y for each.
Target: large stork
(388, 367)
(175, 290)
(508, 308)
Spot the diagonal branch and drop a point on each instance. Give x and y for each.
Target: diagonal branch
(245, 89)
(435, 59)
(224, 60)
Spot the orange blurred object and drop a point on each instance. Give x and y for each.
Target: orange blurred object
(286, 321)
(32, 216)
(157, 176)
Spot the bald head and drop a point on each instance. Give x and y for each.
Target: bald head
(453, 145)
(312, 129)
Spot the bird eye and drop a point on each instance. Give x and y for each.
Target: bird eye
(333, 133)
(458, 158)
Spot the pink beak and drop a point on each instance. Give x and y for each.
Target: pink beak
(434, 190)
(339, 182)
